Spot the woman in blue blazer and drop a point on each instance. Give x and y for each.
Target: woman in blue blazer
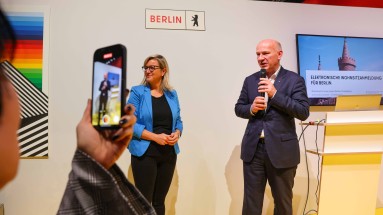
(154, 146)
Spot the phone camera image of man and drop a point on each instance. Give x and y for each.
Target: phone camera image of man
(104, 94)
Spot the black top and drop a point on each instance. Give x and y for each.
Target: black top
(162, 123)
(162, 115)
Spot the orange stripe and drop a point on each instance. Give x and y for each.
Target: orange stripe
(27, 61)
(28, 55)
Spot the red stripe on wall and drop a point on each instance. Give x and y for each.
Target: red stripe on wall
(357, 3)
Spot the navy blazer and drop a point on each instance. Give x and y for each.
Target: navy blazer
(141, 98)
(278, 121)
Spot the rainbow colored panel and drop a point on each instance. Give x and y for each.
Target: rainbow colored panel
(28, 59)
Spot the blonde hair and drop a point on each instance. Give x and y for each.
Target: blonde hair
(165, 86)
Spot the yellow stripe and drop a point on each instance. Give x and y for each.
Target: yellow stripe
(341, 159)
(23, 65)
(357, 129)
(379, 211)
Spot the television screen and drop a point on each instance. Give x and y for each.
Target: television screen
(339, 65)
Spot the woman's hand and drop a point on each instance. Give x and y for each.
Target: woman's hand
(105, 146)
(174, 137)
(161, 139)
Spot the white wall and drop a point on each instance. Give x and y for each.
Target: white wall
(207, 69)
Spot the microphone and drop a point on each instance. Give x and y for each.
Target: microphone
(263, 75)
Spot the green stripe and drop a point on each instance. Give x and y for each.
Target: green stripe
(35, 76)
(32, 71)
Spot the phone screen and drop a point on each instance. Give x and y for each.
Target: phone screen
(109, 83)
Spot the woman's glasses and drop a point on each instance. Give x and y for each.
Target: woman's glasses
(151, 68)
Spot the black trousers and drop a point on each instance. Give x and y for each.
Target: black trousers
(153, 175)
(256, 173)
(103, 102)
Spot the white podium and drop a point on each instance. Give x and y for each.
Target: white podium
(351, 161)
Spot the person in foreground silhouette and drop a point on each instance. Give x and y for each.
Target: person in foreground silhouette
(96, 184)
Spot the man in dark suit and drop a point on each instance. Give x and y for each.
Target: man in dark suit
(270, 148)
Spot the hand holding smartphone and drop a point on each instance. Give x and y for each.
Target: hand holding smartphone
(108, 86)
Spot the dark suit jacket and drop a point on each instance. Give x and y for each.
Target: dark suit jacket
(278, 121)
(104, 93)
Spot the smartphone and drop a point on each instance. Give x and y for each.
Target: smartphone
(108, 86)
